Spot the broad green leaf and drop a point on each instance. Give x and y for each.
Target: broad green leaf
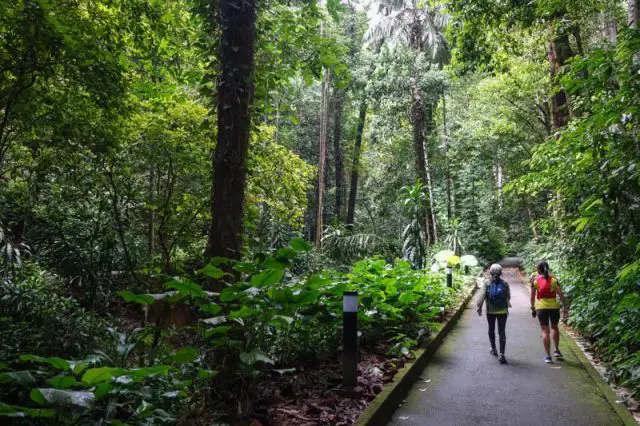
(187, 288)
(267, 278)
(210, 308)
(222, 261)
(229, 294)
(102, 389)
(222, 330)
(207, 374)
(407, 297)
(212, 272)
(62, 382)
(58, 363)
(185, 355)
(145, 372)
(100, 374)
(243, 312)
(129, 297)
(245, 267)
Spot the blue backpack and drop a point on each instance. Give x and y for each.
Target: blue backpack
(497, 294)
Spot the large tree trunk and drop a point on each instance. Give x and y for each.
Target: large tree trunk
(235, 93)
(353, 189)
(610, 25)
(431, 211)
(322, 154)
(499, 184)
(448, 184)
(559, 52)
(633, 14)
(417, 122)
(337, 153)
(151, 224)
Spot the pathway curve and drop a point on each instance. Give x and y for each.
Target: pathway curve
(465, 385)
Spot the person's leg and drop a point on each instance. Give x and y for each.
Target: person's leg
(545, 339)
(502, 324)
(491, 319)
(543, 319)
(555, 318)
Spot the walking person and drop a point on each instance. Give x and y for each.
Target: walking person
(545, 289)
(497, 294)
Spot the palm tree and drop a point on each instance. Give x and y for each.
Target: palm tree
(419, 27)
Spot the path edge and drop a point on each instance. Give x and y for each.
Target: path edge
(380, 410)
(622, 411)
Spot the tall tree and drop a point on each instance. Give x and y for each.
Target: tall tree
(322, 155)
(337, 152)
(357, 148)
(559, 52)
(419, 27)
(235, 91)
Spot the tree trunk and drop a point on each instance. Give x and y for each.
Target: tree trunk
(431, 211)
(337, 153)
(353, 189)
(448, 184)
(417, 121)
(633, 14)
(151, 227)
(559, 52)
(235, 93)
(610, 25)
(322, 154)
(499, 182)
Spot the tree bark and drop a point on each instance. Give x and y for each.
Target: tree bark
(151, 227)
(448, 185)
(337, 153)
(499, 183)
(431, 211)
(559, 52)
(353, 189)
(610, 25)
(417, 121)
(633, 14)
(322, 154)
(235, 93)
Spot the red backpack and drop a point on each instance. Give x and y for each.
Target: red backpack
(545, 289)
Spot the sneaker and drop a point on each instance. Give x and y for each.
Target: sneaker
(493, 352)
(547, 359)
(502, 359)
(557, 355)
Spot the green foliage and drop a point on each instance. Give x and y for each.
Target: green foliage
(38, 318)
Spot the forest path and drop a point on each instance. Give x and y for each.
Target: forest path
(465, 385)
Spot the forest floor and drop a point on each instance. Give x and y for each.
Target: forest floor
(465, 384)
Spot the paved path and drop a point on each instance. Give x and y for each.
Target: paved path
(465, 385)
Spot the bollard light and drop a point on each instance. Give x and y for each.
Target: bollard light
(449, 277)
(350, 338)
(466, 269)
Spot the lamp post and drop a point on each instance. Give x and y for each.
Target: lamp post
(350, 338)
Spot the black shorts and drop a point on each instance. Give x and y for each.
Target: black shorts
(544, 315)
